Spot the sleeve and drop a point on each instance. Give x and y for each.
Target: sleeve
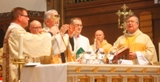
(58, 45)
(107, 48)
(150, 52)
(34, 45)
(115, 45)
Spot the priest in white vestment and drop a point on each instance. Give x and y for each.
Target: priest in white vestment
(51, 20)
(74, 40)
(34, 45)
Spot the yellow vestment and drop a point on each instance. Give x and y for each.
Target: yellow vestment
(106, 48)
(137, 41)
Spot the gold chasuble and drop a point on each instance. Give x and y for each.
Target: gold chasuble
(34, 45)
(137, 41)
(70, 57)
(105, 46)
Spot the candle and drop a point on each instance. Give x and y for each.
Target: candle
(20, 52)
(95, 45)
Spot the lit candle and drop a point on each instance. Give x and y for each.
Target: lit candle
(20, 52)
(95, 45)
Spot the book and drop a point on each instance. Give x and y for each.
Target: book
(121, 53)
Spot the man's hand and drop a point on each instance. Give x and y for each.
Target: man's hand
(97, 44)
(64, 28)
(71, 30)
(132, 55)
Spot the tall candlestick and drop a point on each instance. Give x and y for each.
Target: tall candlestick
(20, 52)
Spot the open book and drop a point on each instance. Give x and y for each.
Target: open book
(121, 53)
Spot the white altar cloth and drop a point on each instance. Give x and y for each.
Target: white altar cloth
(41, 73)
(73, 72)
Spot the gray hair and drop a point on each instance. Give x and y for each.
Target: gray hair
(49, 12)
(133, 16)
(75, 18)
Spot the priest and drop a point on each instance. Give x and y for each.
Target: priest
(51, 20)
(34, 45)
(100, 44)
(75, 41)
(142, 50)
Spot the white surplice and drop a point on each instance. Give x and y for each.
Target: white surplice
(34, 45)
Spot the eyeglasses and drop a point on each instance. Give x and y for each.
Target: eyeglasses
(78, 25)
(25, 15)
(130, 21)
(36, 27)
(57, 16)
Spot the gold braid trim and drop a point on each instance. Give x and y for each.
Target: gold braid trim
(6, 55)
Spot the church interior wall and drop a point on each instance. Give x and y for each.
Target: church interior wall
(101, 14)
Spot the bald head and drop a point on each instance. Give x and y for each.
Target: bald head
(35, 27)
(99, 35)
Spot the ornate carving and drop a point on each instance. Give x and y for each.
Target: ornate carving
(144, 70)
(30, 14)
(113, 70)
(148, 79)
(132, 79)
(117, 79)
(36, 13)
(78, 69)
(83, 79)
(95, 69)
(5, 15)
(101, 79)
(128, 70)
(158, 71)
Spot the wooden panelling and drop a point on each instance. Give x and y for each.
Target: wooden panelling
(145, 17)
(149, 34)
(146, 29)
(101, 14)
(146, 23)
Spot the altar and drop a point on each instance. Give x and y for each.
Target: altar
(90, 73)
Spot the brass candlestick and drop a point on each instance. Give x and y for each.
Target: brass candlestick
(20, 62)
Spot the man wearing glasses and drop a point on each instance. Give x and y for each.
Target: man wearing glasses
(35, 27)
(142, 50)
(75, 40)
(34, 45)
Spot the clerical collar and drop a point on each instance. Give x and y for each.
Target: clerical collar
(76, 36)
